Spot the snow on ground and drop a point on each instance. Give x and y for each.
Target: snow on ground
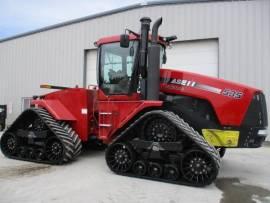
(89, 180)
(251, 166)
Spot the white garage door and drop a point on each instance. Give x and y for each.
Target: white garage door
(194, 56)
(91, 61)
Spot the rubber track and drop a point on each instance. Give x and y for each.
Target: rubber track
(68, 137)
(183, 127)
(75, 138)
(70, 140)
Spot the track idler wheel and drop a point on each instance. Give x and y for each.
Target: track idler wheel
(139, 168)
(9, 144)
(54, 150)
(155, 170)
(198, 168)
(171, 172)
(120, 157)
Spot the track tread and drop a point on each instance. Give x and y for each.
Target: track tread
(182, 126)
(74, 137)
(61, 134)
(68, 137)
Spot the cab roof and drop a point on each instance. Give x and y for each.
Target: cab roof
(116, 38)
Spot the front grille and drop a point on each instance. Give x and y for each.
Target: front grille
(256, 115)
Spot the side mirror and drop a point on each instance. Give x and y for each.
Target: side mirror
(170, 38)
(124, 41)
(164, 58)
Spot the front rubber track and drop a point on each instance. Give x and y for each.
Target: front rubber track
(60, 131)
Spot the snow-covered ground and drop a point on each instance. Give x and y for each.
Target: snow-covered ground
(244, 176)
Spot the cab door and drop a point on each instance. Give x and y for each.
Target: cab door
(116, 101)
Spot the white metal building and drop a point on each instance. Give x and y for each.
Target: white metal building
(227, 39)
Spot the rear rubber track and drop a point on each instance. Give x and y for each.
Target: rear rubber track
(182, 126)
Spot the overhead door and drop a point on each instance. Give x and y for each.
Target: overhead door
(91, 61)
(195, 56)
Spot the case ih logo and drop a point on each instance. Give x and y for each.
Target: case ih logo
(178, 82)
(183, 82)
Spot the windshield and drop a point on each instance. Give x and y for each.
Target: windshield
(116, 66)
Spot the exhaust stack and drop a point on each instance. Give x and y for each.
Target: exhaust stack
(145, 26)
(153, 72)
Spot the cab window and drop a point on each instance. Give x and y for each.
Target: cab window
(116, 66)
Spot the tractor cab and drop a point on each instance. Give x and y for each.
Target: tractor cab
(124, 63)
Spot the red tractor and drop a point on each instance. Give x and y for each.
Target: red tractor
(159, 124)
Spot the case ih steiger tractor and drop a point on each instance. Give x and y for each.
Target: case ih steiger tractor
(159, 124)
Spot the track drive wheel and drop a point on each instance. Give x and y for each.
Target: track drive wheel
(54, 150)
(39, 125)
(120, 157)
(159, 130)
(9, 144)
(198, 168)
(139, 168)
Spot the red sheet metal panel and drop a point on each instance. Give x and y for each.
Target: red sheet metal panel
(56, 109)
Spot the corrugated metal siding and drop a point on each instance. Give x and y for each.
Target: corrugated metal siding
(56, 56)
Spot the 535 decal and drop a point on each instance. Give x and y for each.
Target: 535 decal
(232, 93)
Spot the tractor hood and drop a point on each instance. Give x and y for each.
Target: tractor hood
(230, 100)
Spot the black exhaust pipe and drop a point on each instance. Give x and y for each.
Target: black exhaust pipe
(145, 26)
(140, 62)
(153, 73)
(155, 30)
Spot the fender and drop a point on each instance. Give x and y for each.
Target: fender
(56, 109)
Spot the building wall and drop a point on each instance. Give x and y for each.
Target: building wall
(56, 56)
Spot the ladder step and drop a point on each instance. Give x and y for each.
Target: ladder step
(105, 113)
(105, 125)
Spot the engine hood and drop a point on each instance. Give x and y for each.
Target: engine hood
(230, 100)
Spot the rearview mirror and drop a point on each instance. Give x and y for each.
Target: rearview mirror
(124, 41)
(164, 58)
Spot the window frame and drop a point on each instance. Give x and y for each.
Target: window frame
(101, 69)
